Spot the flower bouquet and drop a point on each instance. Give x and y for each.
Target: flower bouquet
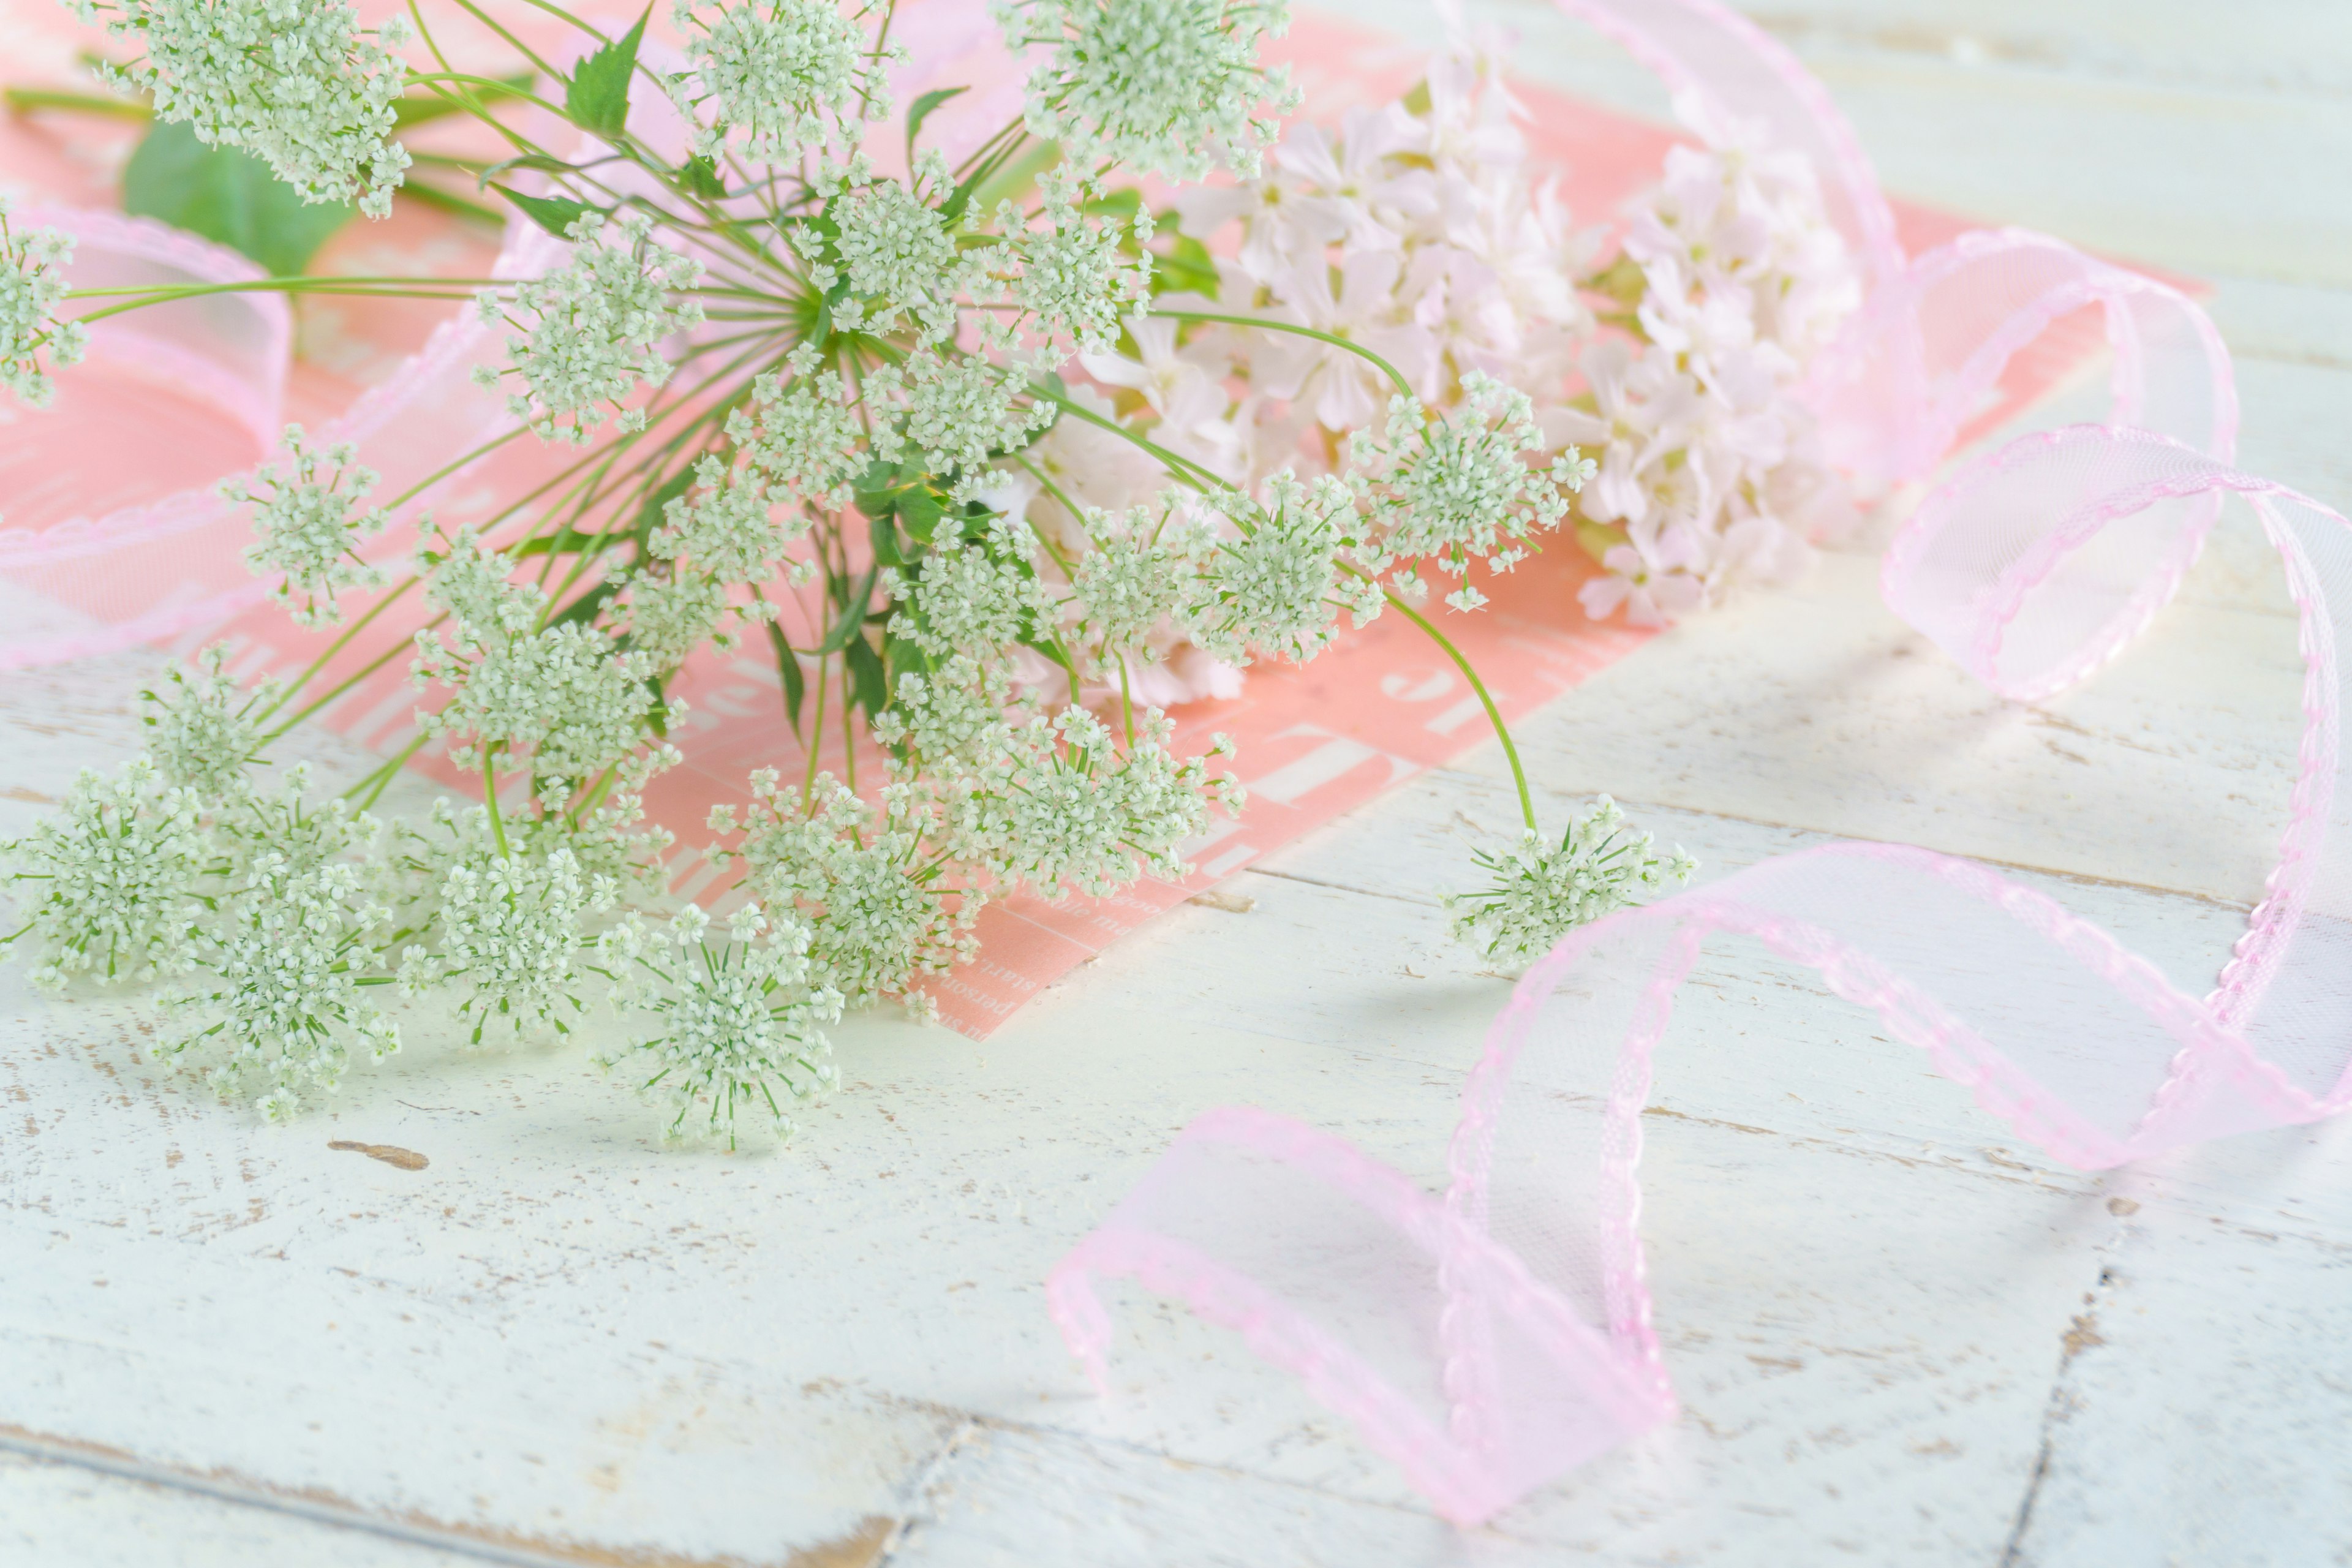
(999, 442)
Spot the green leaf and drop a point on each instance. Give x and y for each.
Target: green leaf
(921, 110)
(1186, 268)
(584, 609)
(227, 195)
(919, 509)
(650, 515)
(886, 540)
(554, 213)
(867, 677)
(788, 665)
(596, 99)
(698, 176)
(539, 161)
(853, 614)
(569, 541)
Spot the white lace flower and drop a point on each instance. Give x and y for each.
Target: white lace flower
(282, 986)
(879, 910)
(308, 525)
(1131, 579)
(295, 82)
(954, 414)
(109, 880)
(205, 727)
(1458, 488)
(1539, 891)
(1276, 590)
(806, 434)
(978, 596)
(1075, 280)
(1084, 816)
(727, 529)
(897, 256)
(741, 1022)
(32, 286)
(597, 326)
(789, 75)
(671, 616)
(1162, 87)
(508, 934)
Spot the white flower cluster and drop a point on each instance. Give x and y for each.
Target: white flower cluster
(114, 873)
(880, 910)
(788, 76)
(1709, 478)
(1538, 892)
(510, 935)
(1277, 587)
(308, 526)
(1166, 86)
(295, 82)
(280, 1002)
(32, 286)
(205, 727)
(597, 324)
(741, 1020)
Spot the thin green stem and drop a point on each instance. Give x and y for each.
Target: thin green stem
(1297, 331)
(816, 736)
(23, 100)
(1494, 714)
(337, 646)
(490, 799)
(1183, 469)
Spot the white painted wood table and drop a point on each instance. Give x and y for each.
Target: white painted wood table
(1899, 1339)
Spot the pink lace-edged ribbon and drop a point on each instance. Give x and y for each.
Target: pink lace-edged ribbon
(1493, 1338)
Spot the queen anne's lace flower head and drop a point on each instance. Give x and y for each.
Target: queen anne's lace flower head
(32, 286)
(954, 414)
(308, 524)
(509, 935)
(879, 911)
(1132, 579)
(1458, 487)
(280, 1003)
(596, 328)
(787, 75)
(895, 252)
(1166, 86)
(205, 727)
(295, 82)
(740, 1021)
(804, 433)
(107, 884)
(1077, 278)
(1278, 589)
(977, 596)
(1538, 892)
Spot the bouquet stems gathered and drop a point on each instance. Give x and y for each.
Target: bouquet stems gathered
(994, 459)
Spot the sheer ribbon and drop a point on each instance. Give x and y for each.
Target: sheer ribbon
(1492, 1338)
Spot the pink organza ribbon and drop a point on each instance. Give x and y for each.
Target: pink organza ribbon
(1492, 1338)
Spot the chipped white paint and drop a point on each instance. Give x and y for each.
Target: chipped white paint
(1899, 1339)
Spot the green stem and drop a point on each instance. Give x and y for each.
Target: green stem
(336, 647)
(23, 100)
(1494, 714)
(816, 736)
(490, 799)
(1183, 469)
(1297, 331)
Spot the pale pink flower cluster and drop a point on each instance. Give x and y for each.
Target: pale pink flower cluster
(1709, 473)
(1420, 230)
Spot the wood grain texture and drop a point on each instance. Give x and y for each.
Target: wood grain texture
(1899, 1338)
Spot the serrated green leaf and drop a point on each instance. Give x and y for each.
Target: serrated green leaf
(227, 195)
(698, 176)
(920, 510)
(596, 99)
(554, 213)
(788, 666)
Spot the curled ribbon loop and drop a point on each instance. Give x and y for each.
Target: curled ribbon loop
(1494, 1337)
